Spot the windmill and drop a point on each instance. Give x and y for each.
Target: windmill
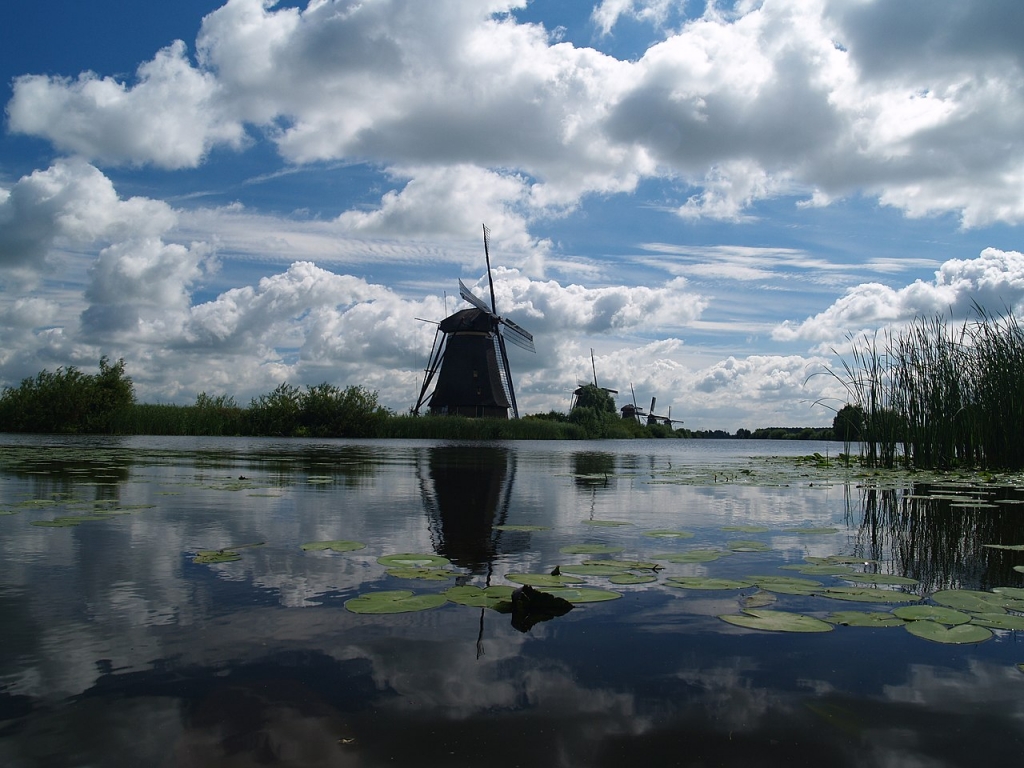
(579, 388)
(632, 411)
(469, 360)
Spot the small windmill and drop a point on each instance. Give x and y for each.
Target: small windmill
(632, 411)
(469, 360)
(579, 388)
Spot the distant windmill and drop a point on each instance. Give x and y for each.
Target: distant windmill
(632, 411)
(579, 389)
(469, 360)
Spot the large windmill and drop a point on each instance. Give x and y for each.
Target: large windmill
(469, 360)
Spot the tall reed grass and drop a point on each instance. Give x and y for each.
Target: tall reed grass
(937, 395)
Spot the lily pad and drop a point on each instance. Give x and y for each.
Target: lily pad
(864, 619)
(748, 546)
(60, 522)
(998, 620)
(413, 560)
(869, 595)
(666, 534)
(1012, 547)
(846, 560)
(971, 600)
(542, 579)
(812, 569)
(426, 574)
(787, 585)
(1015, 592)
(693, 556)
(1019, 568)
(394, 601)
(593, 569)
(745, 528)
(590, 549)
(583, 594)
(937, 613)
(758, 600)
(632, 578)
(629, 565)
(337, 545)
(704, 582)
(811, 531)
(523, 528)
(488, 597)
(606, 523)
(938, 633)
(208, 556)
(881, 578)
(777, 621)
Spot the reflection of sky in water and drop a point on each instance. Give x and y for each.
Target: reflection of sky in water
(109, 632)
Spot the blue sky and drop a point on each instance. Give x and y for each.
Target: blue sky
(713, 197)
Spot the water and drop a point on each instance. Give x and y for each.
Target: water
(117, 649)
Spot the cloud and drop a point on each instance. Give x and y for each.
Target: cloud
(994, 281)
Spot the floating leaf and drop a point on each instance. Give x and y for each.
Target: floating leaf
(60, 522)
(812, 531)
(792, 580)
(629, 565)
(606, 523)
(337, 545)
(847, 560)
(864, 619)
(777, 621)
(542, 579)
(1014, 592)
(1013, 547)
(8, 512)
(413, 560)
(583, 594)
(971, 600)
(758, 600)
(810, 569)
(593, 569)
(427, 574)
(523, 528)
(489, 597)
(869, 595)
(693, 556)
(786, 585)
(998, 620)
(748, 546)
(632, 578)
(881, 578)
(666, 534)
(208, 556)
(745, 528)
(936, 613)
(394, 601)
(705, 582)
(1019, 568)
(589, 549)
(937, 633)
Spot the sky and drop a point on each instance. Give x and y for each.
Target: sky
(714, 197)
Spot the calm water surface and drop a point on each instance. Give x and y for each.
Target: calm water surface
(117, 649)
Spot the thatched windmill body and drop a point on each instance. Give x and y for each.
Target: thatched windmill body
(468, 366)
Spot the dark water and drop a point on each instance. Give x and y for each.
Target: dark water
(117, 649)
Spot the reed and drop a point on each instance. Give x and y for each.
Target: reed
(937, 395)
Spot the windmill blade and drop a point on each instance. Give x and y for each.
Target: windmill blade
(518, 335)
(490, 280)
(510, 389)
(469, 296)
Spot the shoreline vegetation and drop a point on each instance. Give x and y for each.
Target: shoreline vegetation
(934, 395)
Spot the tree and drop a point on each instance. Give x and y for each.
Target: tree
(848, 424)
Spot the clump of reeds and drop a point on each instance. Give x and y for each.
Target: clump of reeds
(937, 395)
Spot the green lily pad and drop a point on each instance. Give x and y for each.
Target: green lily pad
(426, 574)
(869, 595)
(589, 549)
(629, 565)
(787, 585)
(666, 534)
(777, 621)
(394, 601)
(937, 633)
(1014, 592)
(606, 523)
(864, 619)
(791, 580)
(936, 613)
(846, 560)
(971, 600)
(1019, 568)
(811, 569)
(704, 582)
(758, 600)
(745, 528)
(880, 578)
(208, 556)
(693, 556)
(413, 560)
(998, 620)
(542, 579)
(632, 578)
(583, 594)
(1012, 547)
(523, 528)
(748, 546)
(489, 597)
(60, 522)
(337, 545)
(594, 569)
(8, 512)
(811, 531)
